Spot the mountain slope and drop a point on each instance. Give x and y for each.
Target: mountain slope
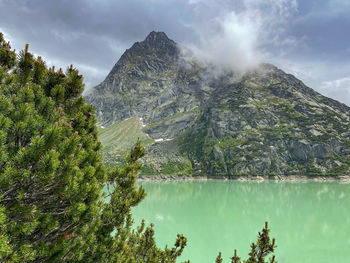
(265, 122)
(120, 137)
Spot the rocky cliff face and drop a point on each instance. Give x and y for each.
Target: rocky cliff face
(265, 122)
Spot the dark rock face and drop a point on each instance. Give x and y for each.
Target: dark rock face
(266, 122)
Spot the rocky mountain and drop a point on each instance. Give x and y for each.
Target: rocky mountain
(265, 122)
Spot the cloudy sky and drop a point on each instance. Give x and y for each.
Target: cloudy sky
(308, 38)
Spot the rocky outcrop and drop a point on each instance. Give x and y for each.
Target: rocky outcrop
(265, 122)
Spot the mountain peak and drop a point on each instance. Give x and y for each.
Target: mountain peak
(156, 44)
(156, 47)
(157, 36)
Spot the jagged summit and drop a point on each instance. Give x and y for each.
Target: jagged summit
(265, 123)
(156, 51)
(156, 43)
(156, 37)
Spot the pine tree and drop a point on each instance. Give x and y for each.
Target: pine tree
(52, 176)
(259, 251)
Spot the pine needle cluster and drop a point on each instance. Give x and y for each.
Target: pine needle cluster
(259, 251)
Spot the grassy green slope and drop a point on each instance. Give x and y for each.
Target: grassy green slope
(118, 139)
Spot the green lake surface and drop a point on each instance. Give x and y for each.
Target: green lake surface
(310, 220)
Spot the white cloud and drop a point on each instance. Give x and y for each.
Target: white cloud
(231, 46)
(235, 37)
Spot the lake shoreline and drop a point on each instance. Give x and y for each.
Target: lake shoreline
(292, 178)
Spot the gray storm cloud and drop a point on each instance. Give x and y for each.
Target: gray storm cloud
(308, 37)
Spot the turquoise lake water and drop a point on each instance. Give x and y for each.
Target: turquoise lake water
(310, 220)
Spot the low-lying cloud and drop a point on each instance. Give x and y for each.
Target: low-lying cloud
(232, 47)
(239, 39)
